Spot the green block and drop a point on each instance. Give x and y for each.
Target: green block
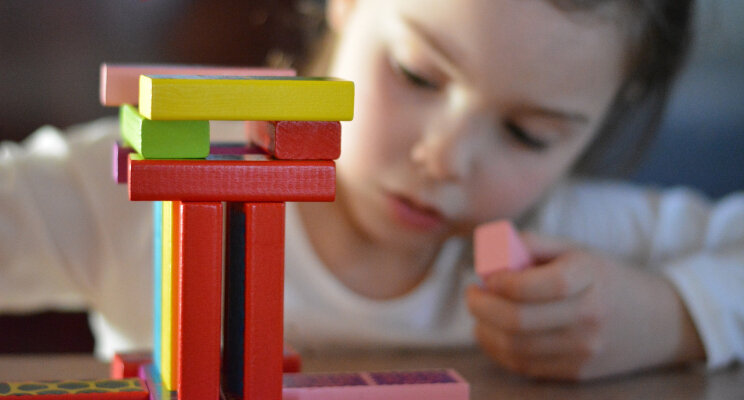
(163, 139)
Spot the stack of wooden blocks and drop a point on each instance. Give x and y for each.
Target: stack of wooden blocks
(204, 192)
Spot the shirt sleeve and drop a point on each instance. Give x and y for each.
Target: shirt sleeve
(61, 216)
(695, 243)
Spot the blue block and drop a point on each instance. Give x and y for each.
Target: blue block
(157, 262)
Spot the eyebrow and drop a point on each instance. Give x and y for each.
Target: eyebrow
(446, 56)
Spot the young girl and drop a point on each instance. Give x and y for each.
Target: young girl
(466, 111)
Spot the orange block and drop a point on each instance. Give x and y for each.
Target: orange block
(200, 301)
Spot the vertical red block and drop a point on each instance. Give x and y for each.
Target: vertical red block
(264, 301)
(200, 288)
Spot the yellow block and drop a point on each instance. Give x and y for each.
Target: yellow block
(169, 321)
(266, 98)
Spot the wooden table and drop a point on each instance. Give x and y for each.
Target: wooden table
(486, 380)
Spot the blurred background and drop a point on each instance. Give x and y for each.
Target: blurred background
(50, 52)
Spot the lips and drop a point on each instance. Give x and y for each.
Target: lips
(414, 214)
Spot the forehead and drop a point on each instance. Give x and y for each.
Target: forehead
(524, 47)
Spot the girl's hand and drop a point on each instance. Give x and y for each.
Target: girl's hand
(579, 315)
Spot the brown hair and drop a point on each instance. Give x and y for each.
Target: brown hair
(659, 34)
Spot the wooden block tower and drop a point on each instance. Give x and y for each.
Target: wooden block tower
(195, 191)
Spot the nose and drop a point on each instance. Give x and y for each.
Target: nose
(448, 149)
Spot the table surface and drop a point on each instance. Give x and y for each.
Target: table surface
(487, 381)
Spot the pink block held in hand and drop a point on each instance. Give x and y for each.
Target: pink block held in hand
(498, 246)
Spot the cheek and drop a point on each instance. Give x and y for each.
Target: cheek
(383, 128)
(509, 191)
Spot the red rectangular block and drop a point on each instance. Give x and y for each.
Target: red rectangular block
(126, 365)
(264, 301)
(232, 180)
(119, 83)
(200, 301)
(253, 360)
(292, 359)
(297, 140)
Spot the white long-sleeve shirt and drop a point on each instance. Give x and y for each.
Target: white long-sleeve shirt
(69, 238)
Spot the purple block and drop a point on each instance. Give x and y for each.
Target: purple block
(119, 165)
(151, 376)
(237, 148)
(444, 384)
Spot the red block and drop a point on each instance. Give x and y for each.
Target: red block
(297, 140)
(200, 297)
(264, 301)
(292, 360)
(232, 180)
(126, 365)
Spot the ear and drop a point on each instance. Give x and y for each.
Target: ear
(338, 12)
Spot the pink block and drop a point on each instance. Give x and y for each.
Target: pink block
(498, 246)
(120, 82)
(443, 384)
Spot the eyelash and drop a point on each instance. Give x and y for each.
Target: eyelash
(413, 78)
(524, 137)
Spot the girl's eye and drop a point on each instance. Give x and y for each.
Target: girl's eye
(525, 137)
(414, 78)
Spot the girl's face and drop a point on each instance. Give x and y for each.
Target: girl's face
(466, 110)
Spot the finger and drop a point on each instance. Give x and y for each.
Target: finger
(560, 367)
(563, 277)
(575, 342)
(521, 317)
(544, 248)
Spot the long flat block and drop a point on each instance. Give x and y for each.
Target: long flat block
(119, 83)
(443, 384)
(198, 97)
(200, 300)
(254, 329)
(252, 180)
(297, 140)
(99, 389)
(163, 139)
